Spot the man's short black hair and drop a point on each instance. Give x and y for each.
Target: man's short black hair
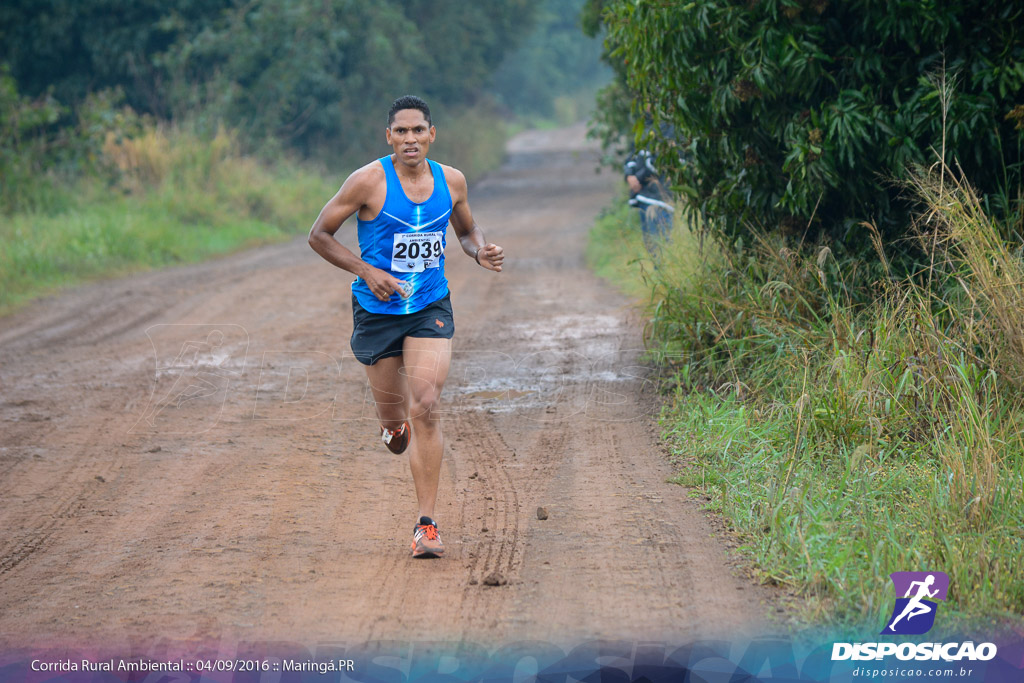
(408, 102)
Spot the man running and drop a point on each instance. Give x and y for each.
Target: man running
(401, 310)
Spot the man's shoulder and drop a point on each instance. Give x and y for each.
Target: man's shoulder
(455, 178)
(363, 182)
(371, 173)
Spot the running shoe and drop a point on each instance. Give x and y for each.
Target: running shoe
(426, 542)
(396, 441)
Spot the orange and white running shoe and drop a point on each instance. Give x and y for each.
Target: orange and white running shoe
(426, 541)
(396, 441)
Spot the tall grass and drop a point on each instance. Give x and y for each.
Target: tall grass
(847, 430)
(171, 196)
(615, 249)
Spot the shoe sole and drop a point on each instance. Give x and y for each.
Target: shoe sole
(426, 554)
(404, 442)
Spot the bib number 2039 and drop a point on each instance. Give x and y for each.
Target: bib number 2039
(414, 252)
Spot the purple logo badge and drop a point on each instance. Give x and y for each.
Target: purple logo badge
(916, 595)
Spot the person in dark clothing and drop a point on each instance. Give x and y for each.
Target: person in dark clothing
(648, 194)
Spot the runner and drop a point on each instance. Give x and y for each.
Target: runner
(401, 310)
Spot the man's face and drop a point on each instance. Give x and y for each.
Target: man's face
(410, 135)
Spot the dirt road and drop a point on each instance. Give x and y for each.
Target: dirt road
(190, 454)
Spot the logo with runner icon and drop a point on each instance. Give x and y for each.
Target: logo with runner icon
(914, 612)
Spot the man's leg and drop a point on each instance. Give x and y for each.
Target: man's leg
(390, 391)
(426, 363)
(656, 224)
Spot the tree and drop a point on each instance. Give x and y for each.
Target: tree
(74, 47)
(796, 115)
(554, 60)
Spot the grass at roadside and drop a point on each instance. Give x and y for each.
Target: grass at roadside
(615, 249)
(172, 197)
(845, 438)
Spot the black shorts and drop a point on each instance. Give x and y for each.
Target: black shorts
(380, 335)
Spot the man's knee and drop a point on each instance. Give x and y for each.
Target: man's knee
(425, 403)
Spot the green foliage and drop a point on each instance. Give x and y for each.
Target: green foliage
(555, 60)
(612, 116)
(303, 74)
(44, 144)
(472, 139)
(313, 77)
(26, 148)
(476, 38)
(615, 247)
(797, 114)
(591, 17)
(74, 47)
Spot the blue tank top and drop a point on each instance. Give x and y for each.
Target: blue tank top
(407, 240)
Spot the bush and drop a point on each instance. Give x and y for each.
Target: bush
(25, 148)
(44, 145)
(797, 114)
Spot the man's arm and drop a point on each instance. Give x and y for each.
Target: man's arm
(630, 169)
(471, 237)
(352, 196)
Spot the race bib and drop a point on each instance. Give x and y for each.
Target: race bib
(414, 252)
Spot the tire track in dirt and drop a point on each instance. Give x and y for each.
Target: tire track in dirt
(486, 452)
(76, 485)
